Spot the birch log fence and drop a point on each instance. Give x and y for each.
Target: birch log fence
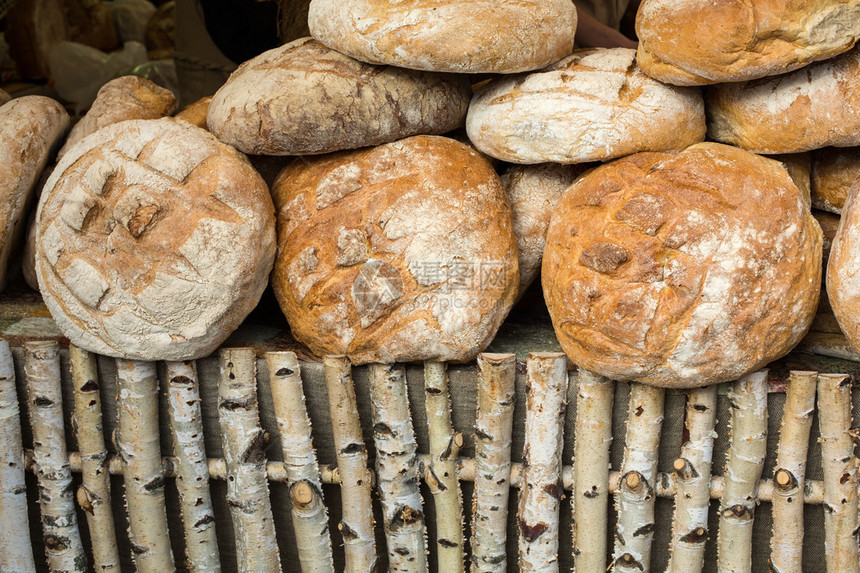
(541, 478)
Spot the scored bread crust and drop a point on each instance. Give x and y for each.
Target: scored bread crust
(594, 105)
(699, 42)
(154, 241)
(461, 36)
(304, 98)
(684, 269)
(396, 253)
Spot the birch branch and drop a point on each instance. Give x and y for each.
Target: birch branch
(94, 495)
(63, 546)
(244, 445)
(635, 499)
(356, 479)
(192, 470)
(748, 397)
(786, 542)
(541, 490)
(310, 517)
(442, 480)
(492, 476)
(16, 552)
(692, 478)
(592, 438)
(397, 469)
(138, 444)
(840, 473)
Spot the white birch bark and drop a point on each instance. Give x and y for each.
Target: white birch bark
(244, 445)
(693, 481)
(138, 444)
(592, 438)
(397, 469)
(93, 495)
(634, 530)
(492, 476)
(442, 472)
(309, 513)
(840, 473)
(786, 542)
(16, 552)
(748, 397)
(192, 469)
(541, 490)
(356, 479)
(63, 546)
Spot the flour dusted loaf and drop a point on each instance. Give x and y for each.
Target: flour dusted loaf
(154, 241)
(533, 191)
(304, 98)
(396, 253)
(682, 269)
(698, 42)
(30, 130)
(807, 109)
(121, 99)
(591, 106)
(843, 269)
(834, 171)
(463, 36)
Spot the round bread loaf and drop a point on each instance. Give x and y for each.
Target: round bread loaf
(126, 97)
(195, 113)
(154, 241)
(698, 42)
(396, 253)
(4, 97)
(843, 269)
(533, 191)
(303, 98)
(799, 167)
(462, 36)
(807, 109)
(591, 106)
(684, 269)
(834, 172)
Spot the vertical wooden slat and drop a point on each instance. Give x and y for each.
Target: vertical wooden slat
(786, 542)
(16, 553)
(541, 488)
(493, 429)
(356, 524)
(94, 495)
(309, 513)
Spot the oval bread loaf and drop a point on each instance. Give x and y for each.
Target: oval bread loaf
(684, 269)
(834, 172)
(303, 98)
(396, 253)
(843, 269)
(154, 241)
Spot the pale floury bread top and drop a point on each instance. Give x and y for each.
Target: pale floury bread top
(698, 42)
(154, 241)
(465, 36)
(682, 269)
(593, 105)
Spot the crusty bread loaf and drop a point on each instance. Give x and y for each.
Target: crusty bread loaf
(698, 42)
(829, 223)
(533, 191)
(834, 172)
(843, 269)
(161, 32)
(591, 106)
(682, 269)
(121, 99)
(4, 97)
(807, 109)
(28, 253)
(154, 241)
(32, 30)
(463, 36)
(304, 98)
(91, 23)
(30, 129)
(195, 113)
(400, 252)
(799, 167)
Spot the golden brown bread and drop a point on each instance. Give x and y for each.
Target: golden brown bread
(195, 113)
(682, 269)
(400, 252)
(829, 223)
(462, 36)
(834, 172)
(698, 42)
(843, 269)
(154, 241)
